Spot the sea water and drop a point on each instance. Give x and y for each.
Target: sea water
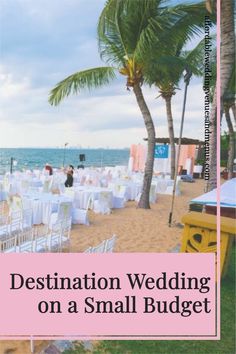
(36, 158)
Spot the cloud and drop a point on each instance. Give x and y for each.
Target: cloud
(44, 42)
(92, 112)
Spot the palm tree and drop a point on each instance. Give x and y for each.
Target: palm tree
(229, 104)
(128, 30)
(228, 72)
(231, 151)
(227, 61)
(162, 75)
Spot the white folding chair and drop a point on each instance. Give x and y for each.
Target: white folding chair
(15, 203)
(104, 203)
(47, 185)
(119, 196)
(25, 241)
(27, 218)
(170, 187)
(162, 186)
(64, 212)
(4, 225)
(55, 237)
(15, 221)
(8, 244)
(65, 234)
(153, 194)
(40, 238)
(100, 248)
(80, 216)
(110, 244)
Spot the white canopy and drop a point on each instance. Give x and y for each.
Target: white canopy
(227, 195)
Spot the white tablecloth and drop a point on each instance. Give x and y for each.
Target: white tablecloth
(133, 188)
(83, 193)
(43, 204)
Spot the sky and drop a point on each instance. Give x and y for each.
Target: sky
(41, 43)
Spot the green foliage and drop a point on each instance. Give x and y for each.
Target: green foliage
(200, 162)
(137, 29)
(166, 72)
(229, 96)
(88, 79)
(224, 141)
(130, 33)
(224, 148)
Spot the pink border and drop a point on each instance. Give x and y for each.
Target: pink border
(217, 337)
(108, 338)
(28, 258)
(218, 83)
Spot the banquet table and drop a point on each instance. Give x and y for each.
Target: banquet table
(82, 194)
(43, 204)
(133, 188)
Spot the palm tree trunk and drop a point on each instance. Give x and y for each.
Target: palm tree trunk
(171, 134)
(230, 163)
(227, 43)
(144, 200)
(227, 61)
(227, 53)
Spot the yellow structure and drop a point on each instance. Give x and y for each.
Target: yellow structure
(200, 235)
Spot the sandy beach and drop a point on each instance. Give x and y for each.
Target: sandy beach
(137, 230)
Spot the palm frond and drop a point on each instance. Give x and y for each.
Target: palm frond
(111, 50)
(195, 57)
(170, 26)
(110, 37)
(192, 21)
(164, 71)
(120, 26)
(87, 79)
(167, 70)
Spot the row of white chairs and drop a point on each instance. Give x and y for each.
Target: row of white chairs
(65, 210)
(106, 246)
(21, 211)
(15, 221)
(39, 239)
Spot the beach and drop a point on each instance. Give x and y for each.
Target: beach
(137, 230)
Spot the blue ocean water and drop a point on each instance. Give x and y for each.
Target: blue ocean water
(32, 158)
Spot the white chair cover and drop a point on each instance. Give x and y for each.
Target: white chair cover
(104, 204)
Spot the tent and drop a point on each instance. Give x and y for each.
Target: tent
(227, 195)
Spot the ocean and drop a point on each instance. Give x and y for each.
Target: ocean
(36, 158)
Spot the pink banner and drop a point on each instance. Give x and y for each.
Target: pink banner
(126, 295)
